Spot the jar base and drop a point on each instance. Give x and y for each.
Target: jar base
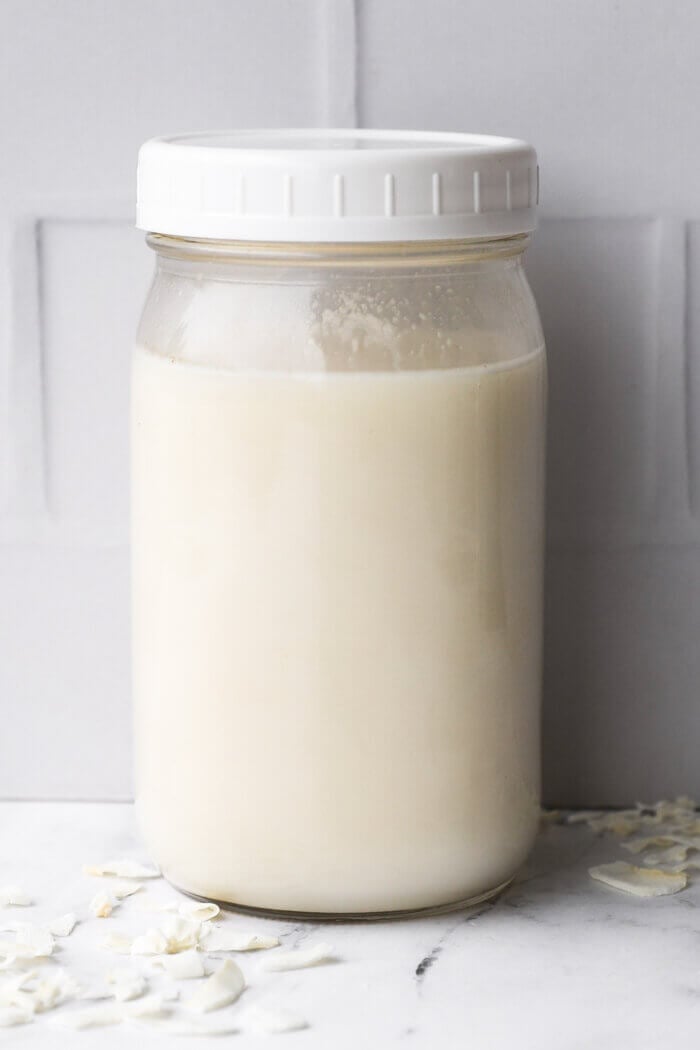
(368, 916)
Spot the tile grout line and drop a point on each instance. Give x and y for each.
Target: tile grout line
(671, 457)
(27, 468)
(688, 376)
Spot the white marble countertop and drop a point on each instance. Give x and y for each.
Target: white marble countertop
(558, 962)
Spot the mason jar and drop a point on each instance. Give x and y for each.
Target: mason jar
(338, 471)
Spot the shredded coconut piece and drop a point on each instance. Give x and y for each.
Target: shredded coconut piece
(119, 943)
(64, 925)
(638, 845)
(182, 966)
(222, 988)
(679, 807)
(126, 984)
(12, 993)
(153, 942)
(24, 1001)
(31, 942)
(620, 822)
(14, 984)
(55, 989)
(14, 896)
(583, 816)
(223, 939)
(101, 906)
(11, 1016)
(176, 935)
(264, 1020)
(180, 933)
(149, 1006)
(123, 869)
(90, 1017)
(683, 865)
(111, 1013)
(205, 929)
(191, 1026)
(682, 810)
(690, 826)
(673, 855)
(201, 911)
(122, 889)
(642, 882)
(316, 955)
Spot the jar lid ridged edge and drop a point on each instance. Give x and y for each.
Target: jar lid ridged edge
(336, 185)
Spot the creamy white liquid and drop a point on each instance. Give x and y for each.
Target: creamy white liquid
(337, 594)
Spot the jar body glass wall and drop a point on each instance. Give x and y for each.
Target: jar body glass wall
(338, 473)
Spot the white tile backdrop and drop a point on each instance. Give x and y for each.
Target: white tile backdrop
(608, 93)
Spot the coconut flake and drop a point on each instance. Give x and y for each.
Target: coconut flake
(180, 933)
(102, 906)
(24, 1001)
(119, 943)
(90, 1017)
(31, 942)
(639, 845)
(223, 939)
(150, 1006)
(64, 925)
(20, 963)
(111, 1013)
(622, 822)
(583, 816)
(12, 992)
(182, 966)
(200, 911)
(191, 1026)
(122, 889)
(680, 806)
(55, 989)
(153, 942)
(680, 810)
(686, 827)
(14, 896)
(222, 988)
(205, 929)
(673, 855)
(14, 984)
(315, 955)
(689, 841)
(34, 941)
(12, 1015)
(126, 985)
(176, 935)
(264, 1020)
(123, 869)
(668, 840)
(642, 882)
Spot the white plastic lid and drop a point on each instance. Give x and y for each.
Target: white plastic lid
(336, 186)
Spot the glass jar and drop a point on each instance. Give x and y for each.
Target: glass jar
(338, 478)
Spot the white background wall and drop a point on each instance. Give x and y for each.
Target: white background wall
(606, 89)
